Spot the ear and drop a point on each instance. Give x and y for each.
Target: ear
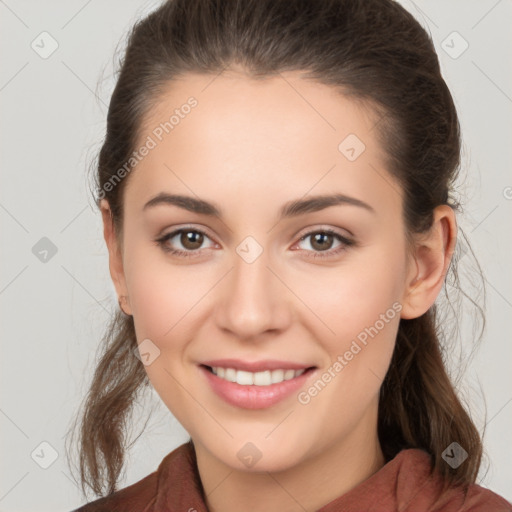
(429, 263)
(115, 255)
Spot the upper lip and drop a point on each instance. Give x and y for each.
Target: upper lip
(256, 366)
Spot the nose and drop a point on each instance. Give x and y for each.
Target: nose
(253, 301)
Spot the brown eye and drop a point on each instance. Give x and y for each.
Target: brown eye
(185, 242)
(191, 240)
(321, 241)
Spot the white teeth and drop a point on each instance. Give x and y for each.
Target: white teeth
(244, 378)
(262, 378)
(230, 374)
(277, 376)
(265, 378)
(289, 374)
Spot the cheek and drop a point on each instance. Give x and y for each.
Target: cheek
(356, 316)
(162, 298)
(162, 294)
(344, 301)
(365, 318)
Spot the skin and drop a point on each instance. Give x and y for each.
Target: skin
(249, 147)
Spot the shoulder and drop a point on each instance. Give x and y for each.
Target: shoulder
(480, 499)
(136, 497)
(475, 499)
(143, 495)
(425, 493)
(472, 499)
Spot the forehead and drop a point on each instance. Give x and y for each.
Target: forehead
(233, 108)
(279, 137)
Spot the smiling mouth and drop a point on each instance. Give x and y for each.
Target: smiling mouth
(263, 378)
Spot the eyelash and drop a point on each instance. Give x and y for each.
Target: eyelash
(161, 242)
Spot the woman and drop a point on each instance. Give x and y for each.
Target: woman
(275, 187)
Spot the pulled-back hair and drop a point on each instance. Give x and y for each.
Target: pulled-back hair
(374, 52)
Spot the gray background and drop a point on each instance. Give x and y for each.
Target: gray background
(54, 311)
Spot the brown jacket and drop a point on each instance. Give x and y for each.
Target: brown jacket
(403, 484)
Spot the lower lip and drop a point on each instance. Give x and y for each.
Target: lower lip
(254, 397)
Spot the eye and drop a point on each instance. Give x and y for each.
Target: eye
(322, 240)
(190, 239)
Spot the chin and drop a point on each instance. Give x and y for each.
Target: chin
(257, 457)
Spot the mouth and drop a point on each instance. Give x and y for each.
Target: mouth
(255, 389)
(261, 378)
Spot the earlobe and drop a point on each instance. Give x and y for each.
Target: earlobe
(115, 257)
(430, 262)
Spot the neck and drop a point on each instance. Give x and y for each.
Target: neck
(336, 470)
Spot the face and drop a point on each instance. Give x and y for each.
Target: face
(258, 278)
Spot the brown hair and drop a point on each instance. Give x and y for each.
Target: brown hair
(373, 51)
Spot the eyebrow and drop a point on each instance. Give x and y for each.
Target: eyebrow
(289, 209)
